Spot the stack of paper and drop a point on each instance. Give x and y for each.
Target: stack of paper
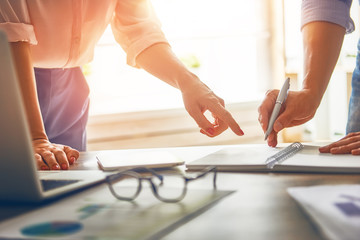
(334, 208)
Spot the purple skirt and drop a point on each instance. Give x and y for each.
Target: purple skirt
(64, 102)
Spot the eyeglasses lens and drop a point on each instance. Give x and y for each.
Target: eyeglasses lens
(126, 186)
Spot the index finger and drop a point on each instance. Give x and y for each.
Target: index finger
(220, 112)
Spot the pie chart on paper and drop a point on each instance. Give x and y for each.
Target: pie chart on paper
(52, 229)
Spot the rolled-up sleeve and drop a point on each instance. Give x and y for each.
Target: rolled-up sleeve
(334, 11)
(136, 27)
(15, 21)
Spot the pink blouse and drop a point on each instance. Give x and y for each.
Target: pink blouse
(63, 33)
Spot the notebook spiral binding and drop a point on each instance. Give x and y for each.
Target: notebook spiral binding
(283, 154)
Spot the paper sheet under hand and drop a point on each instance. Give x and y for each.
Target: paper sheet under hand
(334, 208)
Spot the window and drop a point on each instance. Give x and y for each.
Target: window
(228, 44)
(218, 42)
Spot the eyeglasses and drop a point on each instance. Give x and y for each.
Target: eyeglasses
(127, 185)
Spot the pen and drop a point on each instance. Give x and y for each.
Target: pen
(279, 101)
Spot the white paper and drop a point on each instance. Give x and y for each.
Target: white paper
(334, 208)
(310, 156)
(130, 159)
(253, 157)
(96, 214)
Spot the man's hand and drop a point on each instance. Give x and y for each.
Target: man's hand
(51, 156)
(322, 44)
(349, 144)
(299, 107)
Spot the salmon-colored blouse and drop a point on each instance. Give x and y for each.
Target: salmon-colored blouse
(63, 33)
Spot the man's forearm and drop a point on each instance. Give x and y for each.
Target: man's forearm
(322, 44)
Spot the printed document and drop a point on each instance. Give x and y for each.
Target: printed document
(334, 208)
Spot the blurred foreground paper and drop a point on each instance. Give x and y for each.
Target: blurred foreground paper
(334, 208)
(95, 214)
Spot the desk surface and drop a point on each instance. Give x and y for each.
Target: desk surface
(259, 209)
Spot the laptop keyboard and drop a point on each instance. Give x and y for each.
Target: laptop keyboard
(48, 184)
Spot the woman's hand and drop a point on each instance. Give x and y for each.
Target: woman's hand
(299, 107)
(198, 98)
(50, 156)
(47, 155)
(349, 144)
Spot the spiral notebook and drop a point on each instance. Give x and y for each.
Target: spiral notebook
(296, 157)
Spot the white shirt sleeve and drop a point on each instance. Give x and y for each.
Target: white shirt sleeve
(136, 27)
(15, 21)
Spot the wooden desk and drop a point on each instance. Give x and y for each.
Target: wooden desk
(259, 209)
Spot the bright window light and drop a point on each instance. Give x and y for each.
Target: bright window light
(216, 40)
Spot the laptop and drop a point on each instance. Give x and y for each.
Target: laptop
(19, 178)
